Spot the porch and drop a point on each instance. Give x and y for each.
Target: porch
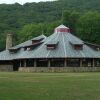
(58, 63)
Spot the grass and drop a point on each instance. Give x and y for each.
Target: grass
(49, 86)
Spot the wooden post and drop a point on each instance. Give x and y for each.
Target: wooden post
(81, 63)
(35, 63)
(24, 63)
(65, 62)
(93, 63)
(49, 63)
(20, 64)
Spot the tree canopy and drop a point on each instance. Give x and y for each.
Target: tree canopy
(31, 19)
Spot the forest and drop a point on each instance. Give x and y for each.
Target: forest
(32, 19)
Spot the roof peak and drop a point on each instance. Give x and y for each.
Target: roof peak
(62, 26)
(62, 29)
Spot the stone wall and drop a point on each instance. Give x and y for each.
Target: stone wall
(6, 67)
(59, 69)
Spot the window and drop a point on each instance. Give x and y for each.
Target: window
(27, 48)
(14, 50)
(34, 41)
(52, 45)
(78, 47)
(93, 46)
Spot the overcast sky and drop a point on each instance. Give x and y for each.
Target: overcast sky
(20, 1)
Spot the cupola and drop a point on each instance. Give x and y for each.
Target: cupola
(62, 29)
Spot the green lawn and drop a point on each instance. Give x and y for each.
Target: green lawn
(49, 86)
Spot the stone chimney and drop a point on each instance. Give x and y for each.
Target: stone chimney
(8, 41)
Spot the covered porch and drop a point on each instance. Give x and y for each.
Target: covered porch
(59, 62)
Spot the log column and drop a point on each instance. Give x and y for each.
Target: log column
(35, 63)
(24, 63)
(81, 63)
(49, 63)
(20, 64)
(93, 62)
(65, 62)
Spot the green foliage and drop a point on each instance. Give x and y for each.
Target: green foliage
(70, 19)
(35, 29)
(89, 27)
(25, 21)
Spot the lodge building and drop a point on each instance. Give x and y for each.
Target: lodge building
(61, 51)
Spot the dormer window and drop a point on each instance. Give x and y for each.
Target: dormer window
(76, 45)
(98, 49)
(38, 39)
(93, 46)
(27, 48)
(52, 45)
(14, 50)
(32, 46)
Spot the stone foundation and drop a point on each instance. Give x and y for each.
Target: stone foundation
(59, 69)
(6, 68)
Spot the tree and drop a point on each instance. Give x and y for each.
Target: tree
(89, 27)
(32, 30)
(70, 19)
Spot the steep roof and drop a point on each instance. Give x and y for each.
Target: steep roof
(29, 42)
(64, 48)
(6, 55)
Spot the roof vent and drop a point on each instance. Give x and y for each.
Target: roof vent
(62, 29)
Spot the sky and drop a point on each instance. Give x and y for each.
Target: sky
(20, 1)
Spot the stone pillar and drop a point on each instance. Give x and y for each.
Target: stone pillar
(35, 63)
(8, 41)
(65, 62)
(49, 63)
(81, 63)
(93, 63)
